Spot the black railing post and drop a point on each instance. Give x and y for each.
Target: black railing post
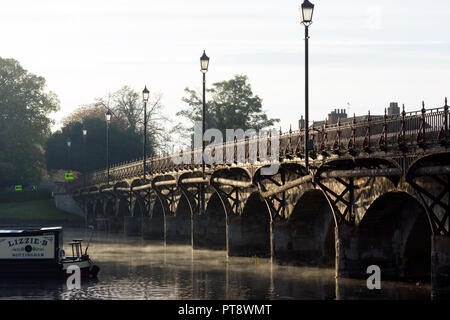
(368, 121)
(337, 138)
(323, 148)
(446, 118)
(351, 140)
(366, 142)
(382, 142)
(423, 120)
(403, 124)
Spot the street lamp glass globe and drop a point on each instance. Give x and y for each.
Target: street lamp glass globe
(306, 10)
(84, 132)
(69, 143)
(145, 94)
(108, 116)
(204, 62)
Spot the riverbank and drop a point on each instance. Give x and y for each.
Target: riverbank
(36, 213)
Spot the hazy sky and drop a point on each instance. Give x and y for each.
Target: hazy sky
(365, 53)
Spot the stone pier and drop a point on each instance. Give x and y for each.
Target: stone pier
(440, 267)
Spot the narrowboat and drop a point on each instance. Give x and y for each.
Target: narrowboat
(39, 253)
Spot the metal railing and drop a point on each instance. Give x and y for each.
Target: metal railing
(365, 134)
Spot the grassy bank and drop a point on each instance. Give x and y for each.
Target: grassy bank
(22, 196)
(34, 210)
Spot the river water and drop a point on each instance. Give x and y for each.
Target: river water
(132, 268)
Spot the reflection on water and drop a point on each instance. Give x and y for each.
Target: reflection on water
(131, 268)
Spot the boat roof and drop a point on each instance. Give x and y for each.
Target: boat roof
(28, 230)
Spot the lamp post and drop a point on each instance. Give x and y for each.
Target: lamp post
(145, 95)
(84, 156)
(108, 120)
(306, 10)
(69, 143)
(204, 63)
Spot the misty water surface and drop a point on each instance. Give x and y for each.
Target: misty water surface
(132, 268)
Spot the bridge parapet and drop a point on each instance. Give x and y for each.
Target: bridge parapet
(395, 136)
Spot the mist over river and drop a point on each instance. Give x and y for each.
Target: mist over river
(132, 268)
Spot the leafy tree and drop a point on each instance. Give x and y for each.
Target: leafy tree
(24, 123)
(232, 105)
(126, 132)
(124, 145)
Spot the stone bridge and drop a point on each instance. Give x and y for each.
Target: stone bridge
(377, 192)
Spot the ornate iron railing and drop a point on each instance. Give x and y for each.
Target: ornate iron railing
(363, 134)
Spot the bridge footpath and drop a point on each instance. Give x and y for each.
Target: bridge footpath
(376, 192)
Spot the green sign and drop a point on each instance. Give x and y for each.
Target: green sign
(69, 176)
(18, 188)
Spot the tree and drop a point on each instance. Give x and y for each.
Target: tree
(91, 111)
(24, 123)
(232, 106)
(128, 108)
(126, 132)
(124, 145)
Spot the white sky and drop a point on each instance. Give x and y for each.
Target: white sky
(362, 52)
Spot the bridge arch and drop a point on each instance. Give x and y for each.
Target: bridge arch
(349, 164)
(155, 228)
(189, 191)
(168, 195)
(435, 159)
(307, 236)
(395, 234)
(137, 207)
(121, 184)
(250, 233)
(179, 225)
(235, 196)
(281, 190)
(210, 229)
(109, 207)
(341, 186)
(290, 171)
(237, 173)
(123, 209)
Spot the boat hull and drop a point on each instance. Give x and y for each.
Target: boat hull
(34, 269)
(87, 268)
(29, 269)
(39, 254)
